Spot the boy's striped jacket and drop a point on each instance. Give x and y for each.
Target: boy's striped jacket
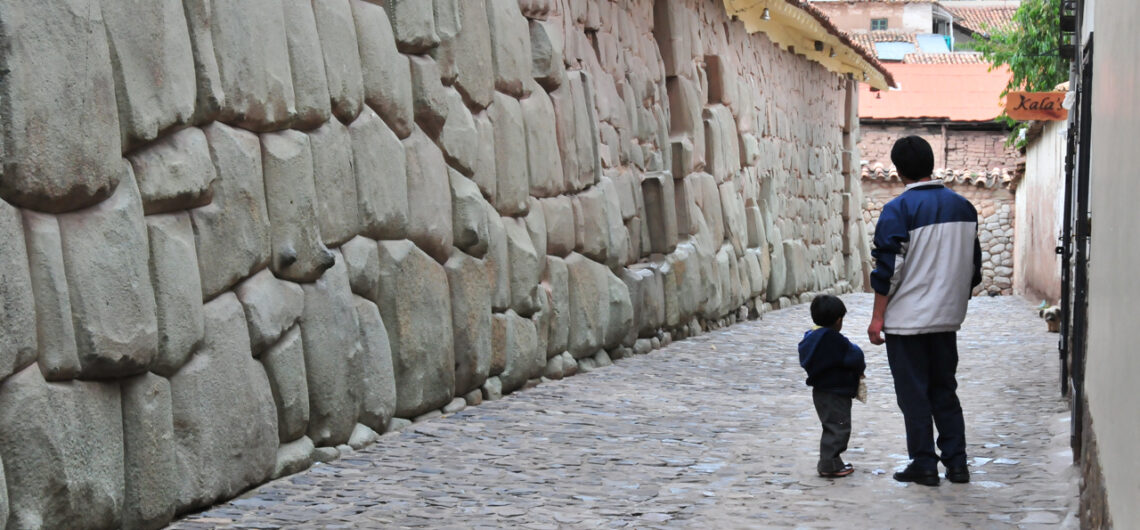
(927, 259)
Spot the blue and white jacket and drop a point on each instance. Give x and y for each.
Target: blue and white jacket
(927, 259)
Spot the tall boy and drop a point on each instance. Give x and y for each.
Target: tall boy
(834, 366)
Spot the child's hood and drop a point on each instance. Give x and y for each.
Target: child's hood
(810, 343)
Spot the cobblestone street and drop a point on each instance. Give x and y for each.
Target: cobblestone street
(717, 431)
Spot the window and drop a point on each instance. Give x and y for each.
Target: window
(878, 24)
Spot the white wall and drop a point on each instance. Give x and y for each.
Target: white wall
(1113, 358)
(1038, 223)
(918, 17)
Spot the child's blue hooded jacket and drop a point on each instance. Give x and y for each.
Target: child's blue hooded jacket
(833, 363)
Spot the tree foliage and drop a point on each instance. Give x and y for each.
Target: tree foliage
(1029, 49)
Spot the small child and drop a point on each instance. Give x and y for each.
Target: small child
(834, 367)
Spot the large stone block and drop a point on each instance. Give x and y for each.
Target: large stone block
(693, 287)
(471, 318)
(429, 99)
(342, 57)
(535, 221)
(620, 311)
(284, 365)
(754, 219)
(429, 197)
(381, 177)
(498, 261)
(459, 138)
(299, 254)
(271, 307)
(335, 182)
(560, 227)
(62, 448)
(799, 272)
(150, 480)
(59, 96)
(225, 423)
(577, 131)
(510, 46)
(177, 290)
(722, 145)
(154, 66)
(447, 25)
(330, 335)
(363, 261)
(54, 332)
(706, 197)
(232, 232)
(373, 383)
(777, 275)
(671, 30)
(413, 293)
(657, 191)
(413, 23)
(486, 173)
(589, 305)
(469, 215)
(208, 82)
(253, 63)
(556, 284)
(686, 121)
(646, 292)
(754, 265)
(735, 218)
(112, 301)
(513, 183)
(386, 73)
(546, 63)
(544, 163)
(517, 338)
(473, 56)
(294, 457)
(525, 267)
(175, 173)
(306, 64)
(600, 233)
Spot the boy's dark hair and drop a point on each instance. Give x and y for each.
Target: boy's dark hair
(913, 158)
(826, 310)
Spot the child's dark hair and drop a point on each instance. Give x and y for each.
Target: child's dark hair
(913, 158)
(826, 310)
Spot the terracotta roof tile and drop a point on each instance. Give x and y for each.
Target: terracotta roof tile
(982, 20)
(956, 92)
(998, 177)
(944, 58)
(867, 39)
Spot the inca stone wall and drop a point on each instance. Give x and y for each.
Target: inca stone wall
(995, 203)
(237, 235)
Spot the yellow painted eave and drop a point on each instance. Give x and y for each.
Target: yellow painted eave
(794, 29)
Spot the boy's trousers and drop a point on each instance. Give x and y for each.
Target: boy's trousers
(835, 415)
(923, 367)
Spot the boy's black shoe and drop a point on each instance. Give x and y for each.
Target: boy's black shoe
(926, 477)
(958, 474)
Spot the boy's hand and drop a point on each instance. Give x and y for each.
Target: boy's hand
(875, 331)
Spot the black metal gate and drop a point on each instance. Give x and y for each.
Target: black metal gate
(1074, 248)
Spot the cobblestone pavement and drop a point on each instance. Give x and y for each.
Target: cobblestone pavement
(717, 431)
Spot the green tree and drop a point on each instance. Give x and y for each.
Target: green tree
(1029, 48)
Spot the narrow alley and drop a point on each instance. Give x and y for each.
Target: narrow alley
(717, 431)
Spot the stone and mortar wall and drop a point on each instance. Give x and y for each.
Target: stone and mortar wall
(976, 164)
(965, 151)
(995, 205)
(237, 235)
